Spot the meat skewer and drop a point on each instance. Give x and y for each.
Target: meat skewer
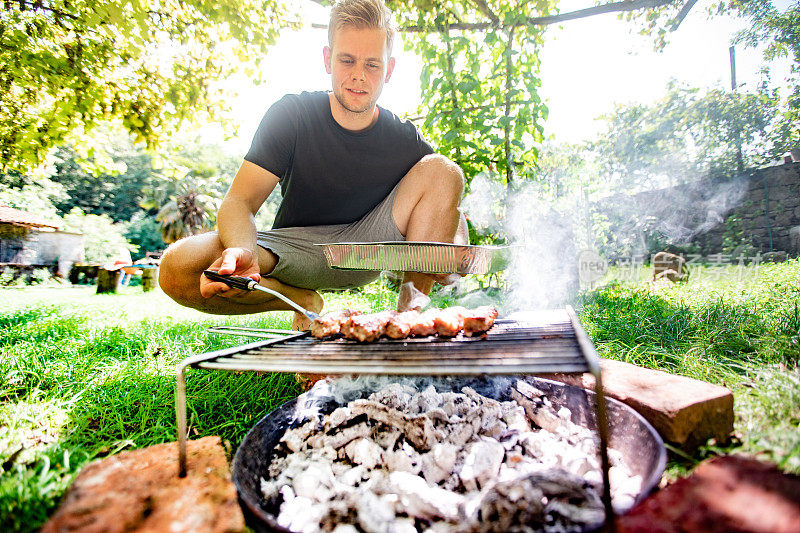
(399, 327)
(444, 322)
(331, 323)
(367, 328)
(424, 325)
(450, 321)
(479, 320)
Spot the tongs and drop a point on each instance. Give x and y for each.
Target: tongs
(247, 284)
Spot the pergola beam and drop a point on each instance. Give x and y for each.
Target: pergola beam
(612, 7)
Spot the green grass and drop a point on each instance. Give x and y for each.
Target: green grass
(735, 327)
(84, 376)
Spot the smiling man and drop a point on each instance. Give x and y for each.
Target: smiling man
(349, 171)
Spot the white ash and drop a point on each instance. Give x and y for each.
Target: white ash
(409, 458)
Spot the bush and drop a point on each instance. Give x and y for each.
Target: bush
(145, 233)
(104, 241)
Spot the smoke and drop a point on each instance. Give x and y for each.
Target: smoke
(676, 215)
(484, 203)
(542, 269)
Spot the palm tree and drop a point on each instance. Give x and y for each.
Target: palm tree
(188, 213)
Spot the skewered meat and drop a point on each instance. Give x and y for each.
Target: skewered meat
(424, 325)
(331, 323)
(449, 321)
(367, 328)
(479, 320)
(400, 325)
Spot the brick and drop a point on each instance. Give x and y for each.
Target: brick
(140, 491)
(685, 411)
(729, 494)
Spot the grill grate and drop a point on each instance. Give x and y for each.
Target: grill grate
(508, 348)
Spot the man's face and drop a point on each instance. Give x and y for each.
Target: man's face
(359, 65)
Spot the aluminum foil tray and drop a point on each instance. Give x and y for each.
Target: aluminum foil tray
(430, 257)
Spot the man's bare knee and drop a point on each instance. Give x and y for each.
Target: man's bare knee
(448, 176)
(182, 263)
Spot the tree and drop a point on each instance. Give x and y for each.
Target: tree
(36, 194)
(480, 101)
(480, 76)
(683, 136)
(67, 66)
(778, 31)
(187, 214)
(104, 241)
(119, 196)
(144, 232)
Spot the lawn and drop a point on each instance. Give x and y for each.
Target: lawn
(84, 376)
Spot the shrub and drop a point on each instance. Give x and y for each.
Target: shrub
(103, 240)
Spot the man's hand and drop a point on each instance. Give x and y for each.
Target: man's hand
(234, 261)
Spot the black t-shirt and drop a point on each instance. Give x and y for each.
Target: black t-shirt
(330, 175)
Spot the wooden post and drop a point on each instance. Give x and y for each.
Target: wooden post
(149, 279)
(107, 281)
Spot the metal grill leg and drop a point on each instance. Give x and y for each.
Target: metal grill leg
(180, 414)
(601, 416)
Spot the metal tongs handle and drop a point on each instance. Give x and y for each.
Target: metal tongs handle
(247, 284)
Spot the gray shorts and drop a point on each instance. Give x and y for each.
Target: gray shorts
(301, 264)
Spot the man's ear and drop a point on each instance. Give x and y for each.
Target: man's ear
(389, 69)
(326, 55)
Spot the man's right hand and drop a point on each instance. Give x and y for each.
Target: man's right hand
(234, 261)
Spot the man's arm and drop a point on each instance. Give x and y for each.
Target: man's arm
(237, 229)
(248, 192)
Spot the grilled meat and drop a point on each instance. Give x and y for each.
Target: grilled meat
(331, 323)
(424, 325)
(479, 320)
(399, 327)
(449, 322)
(366, 328)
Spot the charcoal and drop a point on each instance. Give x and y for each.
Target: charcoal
(364, 452)
(405, 460)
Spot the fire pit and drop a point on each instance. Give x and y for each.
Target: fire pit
(539, 342)
(640, 446)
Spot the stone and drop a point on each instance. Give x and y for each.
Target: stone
(733, 493)
(784, 218)
(685, 411)
(664, 262)
(794, 237)
(669, 275)
(140, 490)
(774, 257)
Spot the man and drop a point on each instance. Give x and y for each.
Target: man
(349, 171)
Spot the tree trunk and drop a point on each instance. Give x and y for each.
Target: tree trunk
(149, 279)
(507, 110)
(107, 281)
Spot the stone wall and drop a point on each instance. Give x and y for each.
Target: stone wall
(20, 246)
(760, 207)
(766, 213)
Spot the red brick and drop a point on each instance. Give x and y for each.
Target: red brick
(685, 411)
(730, 494)
(140, 491)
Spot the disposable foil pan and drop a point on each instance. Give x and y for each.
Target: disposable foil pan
(430, 257)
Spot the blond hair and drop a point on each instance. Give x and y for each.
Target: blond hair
(362, 14)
